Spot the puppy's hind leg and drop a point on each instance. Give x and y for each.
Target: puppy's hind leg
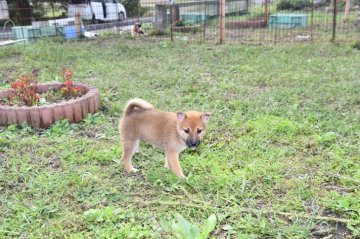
(137, 149)
(129, 148)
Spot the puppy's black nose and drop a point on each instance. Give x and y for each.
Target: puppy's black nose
(194, 144)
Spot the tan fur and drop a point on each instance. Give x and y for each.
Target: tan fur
(136, 30)
(141, 121)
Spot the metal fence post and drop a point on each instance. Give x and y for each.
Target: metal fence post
(276, 28)
(334, 22)
(312, 22)
(171, 22)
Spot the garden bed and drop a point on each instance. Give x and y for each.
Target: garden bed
(186, 28)
(45, 115)
(250, 23)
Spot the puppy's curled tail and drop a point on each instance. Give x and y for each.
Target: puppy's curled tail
(138, 103)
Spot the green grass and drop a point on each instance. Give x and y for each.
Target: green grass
(282, 147)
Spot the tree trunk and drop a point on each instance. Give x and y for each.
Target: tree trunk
(24, 11)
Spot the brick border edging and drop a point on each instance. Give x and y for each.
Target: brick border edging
(43, 116)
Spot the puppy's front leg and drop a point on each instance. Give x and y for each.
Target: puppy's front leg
(173, 160)
(166, 165)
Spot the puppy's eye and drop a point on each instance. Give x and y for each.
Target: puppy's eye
(187, 130)
(199, 131)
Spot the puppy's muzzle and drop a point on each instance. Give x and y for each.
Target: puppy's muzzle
(192, 143)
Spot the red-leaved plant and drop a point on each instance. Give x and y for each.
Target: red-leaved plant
(69, 90)
(25, 88)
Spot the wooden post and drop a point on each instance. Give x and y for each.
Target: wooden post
(266, 13)
(78, 24)
(347, 11)
(205, 22)
(222, 21)
(175, 13)
(334, 22)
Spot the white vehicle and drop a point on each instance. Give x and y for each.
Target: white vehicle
(104, 10)
(4, 10)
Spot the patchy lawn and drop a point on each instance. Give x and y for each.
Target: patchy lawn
(280, 159)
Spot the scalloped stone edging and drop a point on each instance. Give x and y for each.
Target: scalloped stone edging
(43, 116)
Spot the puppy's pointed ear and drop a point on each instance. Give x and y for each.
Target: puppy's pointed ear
(180, 116)
(205, 117)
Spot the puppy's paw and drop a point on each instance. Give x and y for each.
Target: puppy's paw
(131, 170)
(183, 179)
(134, 170)
(182, 176)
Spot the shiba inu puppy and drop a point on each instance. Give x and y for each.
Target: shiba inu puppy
(172, 132)
(136, 30)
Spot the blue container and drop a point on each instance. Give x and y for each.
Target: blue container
(48, 31)
(25, 32)
(194, 17)
(31, 33)
(287, 21)
(70, 32)
(20, 32)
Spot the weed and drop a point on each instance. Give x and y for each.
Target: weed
(183, 229)
(96, 118)
(61, 127)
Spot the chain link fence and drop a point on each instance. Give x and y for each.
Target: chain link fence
(243, 21)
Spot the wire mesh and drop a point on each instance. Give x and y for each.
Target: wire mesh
(246, 21)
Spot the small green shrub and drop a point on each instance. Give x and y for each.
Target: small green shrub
(356, 45)
(292, 4)
(133, 8)
(300, 4)
(285, 5)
